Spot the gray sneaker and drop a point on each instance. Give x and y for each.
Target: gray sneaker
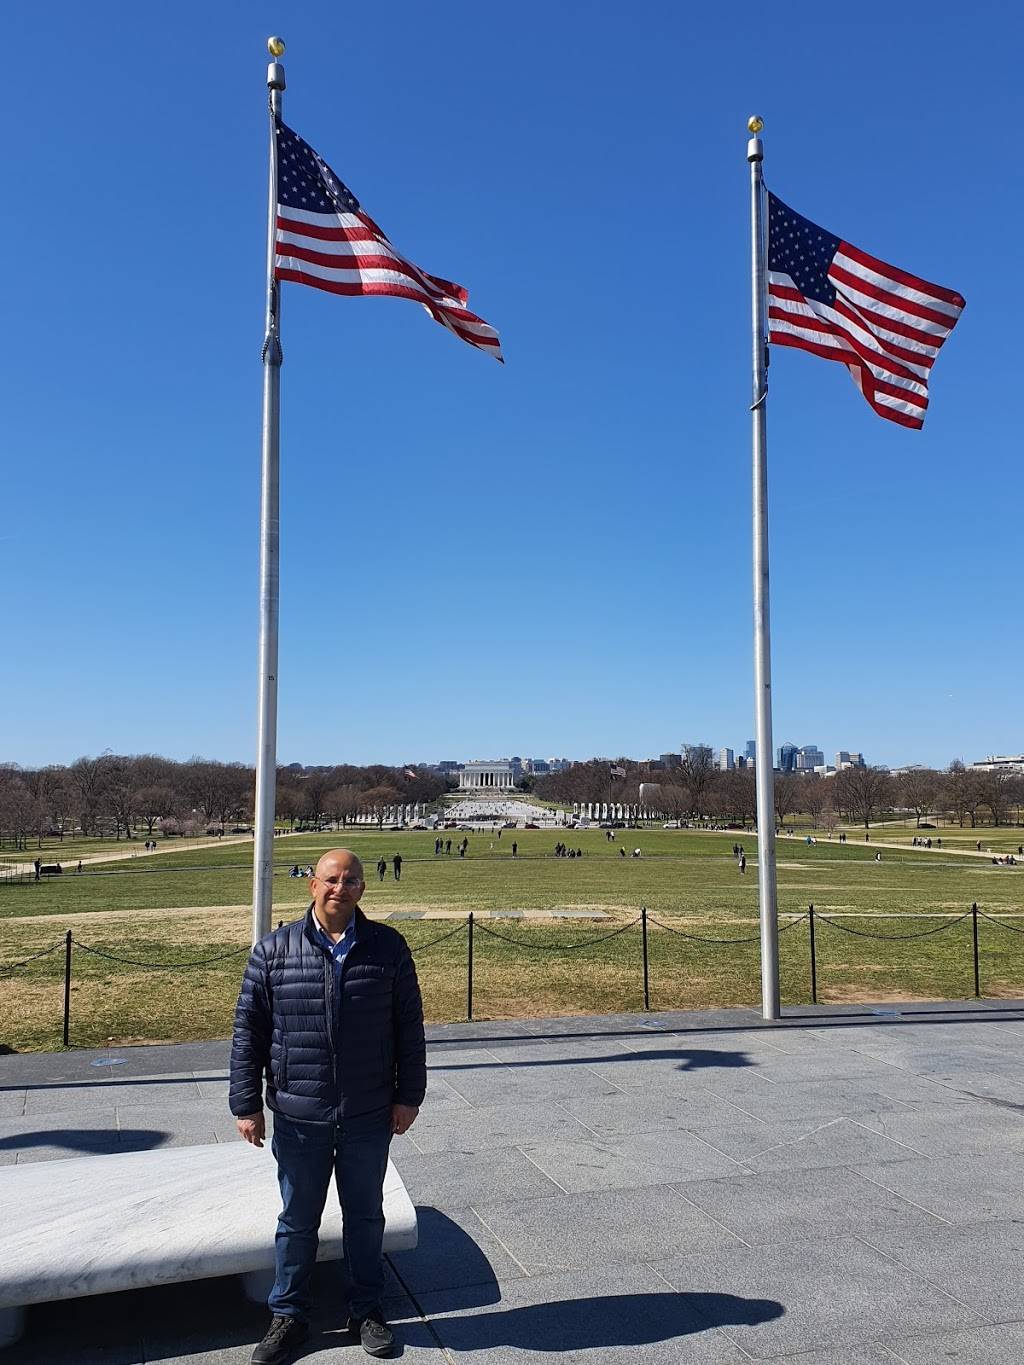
(374, 1333)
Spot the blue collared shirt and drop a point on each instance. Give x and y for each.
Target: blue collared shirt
(338, 951)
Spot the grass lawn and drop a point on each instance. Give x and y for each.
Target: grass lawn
(196, 904)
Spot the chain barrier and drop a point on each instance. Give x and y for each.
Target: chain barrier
(699, 938)
(13, 966)
(467, 926)
(1001, 924)
(430, 943)
(159, 966)
(558, 947)
(863, 933)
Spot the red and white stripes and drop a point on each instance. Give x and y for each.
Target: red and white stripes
(886, 326)
(347, 253)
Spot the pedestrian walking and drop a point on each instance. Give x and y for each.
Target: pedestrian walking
(382, 868)
(515, 848)
(448, 846)
(396, 863)
(743, 864)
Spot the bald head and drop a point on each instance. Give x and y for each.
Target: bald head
(344, 857)
(336, 887)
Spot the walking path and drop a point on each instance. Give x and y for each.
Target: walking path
(845, 1187)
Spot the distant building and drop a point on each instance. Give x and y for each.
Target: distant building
(537, 766)
(448, 765)
(750, 749)
(670, 760)
(559, 765)
(725, 760)
(488, 775)
(809, 757)
(1010, 763)
(786, 758)
(846, 758)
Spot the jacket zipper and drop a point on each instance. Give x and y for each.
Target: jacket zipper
(329, 1003)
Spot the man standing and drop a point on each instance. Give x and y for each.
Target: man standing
(330, 1011)
(396, 863)
(382, 868)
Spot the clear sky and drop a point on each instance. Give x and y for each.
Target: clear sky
(550, 557)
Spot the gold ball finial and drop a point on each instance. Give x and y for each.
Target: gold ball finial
(755, 124)
(275, 46)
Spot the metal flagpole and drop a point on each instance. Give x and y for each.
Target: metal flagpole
(764, 770)
(270, 548)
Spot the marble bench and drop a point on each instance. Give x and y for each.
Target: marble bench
(98, 1224)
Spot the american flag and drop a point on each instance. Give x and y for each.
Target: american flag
(324, 239)
(830, 298)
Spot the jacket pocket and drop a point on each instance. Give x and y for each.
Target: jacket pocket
(281, 1080)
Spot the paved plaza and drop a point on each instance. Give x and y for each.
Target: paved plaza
(844, 1188)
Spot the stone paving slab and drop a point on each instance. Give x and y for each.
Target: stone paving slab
(608, 1317)
(981, 1264)
(834, 1294)
(1003, 1345)
(843, 1187)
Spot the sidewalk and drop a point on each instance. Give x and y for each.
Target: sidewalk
(843, 1188)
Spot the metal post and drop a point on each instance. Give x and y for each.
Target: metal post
(647, 980)
(270, 546)
(814, 958)
(469, 971)
(67, 989)
(764, 773)
(977, 969)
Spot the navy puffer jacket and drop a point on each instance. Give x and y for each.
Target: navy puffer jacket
(324, 1064)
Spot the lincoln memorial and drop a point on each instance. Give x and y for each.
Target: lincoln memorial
(493, 776)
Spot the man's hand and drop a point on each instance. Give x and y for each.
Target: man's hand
(403, 1116)
(253, 1128)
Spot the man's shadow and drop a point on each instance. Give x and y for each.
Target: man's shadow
(449, 1271)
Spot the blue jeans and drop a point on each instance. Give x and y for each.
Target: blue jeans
(356, 1151)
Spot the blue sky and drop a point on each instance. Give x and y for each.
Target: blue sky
(550, 557)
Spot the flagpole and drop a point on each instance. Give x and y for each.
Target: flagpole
(270, 547)
(764, 763)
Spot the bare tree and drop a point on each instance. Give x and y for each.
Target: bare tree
(378, 799)
(341, 803)
(18, 807)
(88, 778)
(917, 789)
(735, 796)
(863, 793)
(787, 795)
(995, 789)
(961, 792)
(156, 803)
(697, 771)
(814, 796)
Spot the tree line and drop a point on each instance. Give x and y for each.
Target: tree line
(697, 790)
(116, 796)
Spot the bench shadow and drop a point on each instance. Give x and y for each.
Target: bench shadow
(448, 1274)
(93, 1140)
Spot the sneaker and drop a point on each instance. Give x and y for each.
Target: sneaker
(376, 1336)
(284, 1335)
